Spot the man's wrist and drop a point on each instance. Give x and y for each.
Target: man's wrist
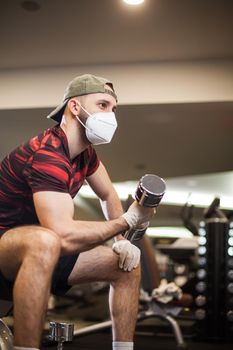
(119, 237)
(125, 223)
(131, 219)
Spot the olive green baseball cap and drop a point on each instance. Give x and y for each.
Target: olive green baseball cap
(82, 85)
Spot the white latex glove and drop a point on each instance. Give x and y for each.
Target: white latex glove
(129, 254)
(137, 215)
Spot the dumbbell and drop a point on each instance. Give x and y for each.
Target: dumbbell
(60, 332)
(6, 337)
(149, 192)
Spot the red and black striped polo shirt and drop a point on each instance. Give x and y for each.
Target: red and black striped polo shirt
(41, 164)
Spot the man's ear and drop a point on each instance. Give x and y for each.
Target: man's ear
(73, 106)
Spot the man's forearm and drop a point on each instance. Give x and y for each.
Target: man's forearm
(80, 236)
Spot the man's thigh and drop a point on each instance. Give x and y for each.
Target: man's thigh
(12, 246)
(98, 264)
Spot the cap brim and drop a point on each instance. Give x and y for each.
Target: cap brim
(57, 113)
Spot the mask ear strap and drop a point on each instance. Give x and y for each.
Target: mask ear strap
(78, 116)
(81, 121)
(83, 108)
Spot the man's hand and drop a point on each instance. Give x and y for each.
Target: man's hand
(137, 215)
(129, 254)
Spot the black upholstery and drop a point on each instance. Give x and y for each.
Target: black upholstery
(6, 304)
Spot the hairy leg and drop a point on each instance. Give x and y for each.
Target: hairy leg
(28, 256)
(101, 264)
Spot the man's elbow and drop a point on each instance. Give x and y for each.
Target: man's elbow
(65, 233)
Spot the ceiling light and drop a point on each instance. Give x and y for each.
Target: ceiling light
(133, 2)
(171, 197)
(169, 232)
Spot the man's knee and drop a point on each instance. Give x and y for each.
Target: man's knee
(132, 277)
(45, 242)
(31, 245)
(135, 274)
(45, 246)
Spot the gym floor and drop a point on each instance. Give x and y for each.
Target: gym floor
(102, 340)
(150, 333)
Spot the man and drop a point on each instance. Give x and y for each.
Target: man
(42, 248)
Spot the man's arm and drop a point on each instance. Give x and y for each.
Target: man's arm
(105, 191)
(129, 254)
(55, 211)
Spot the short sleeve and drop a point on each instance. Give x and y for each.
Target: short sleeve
(94, 161)
(48, 171)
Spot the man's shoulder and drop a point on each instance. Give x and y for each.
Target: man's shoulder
(52, 139)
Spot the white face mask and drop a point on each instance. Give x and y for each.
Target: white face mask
(100, 127)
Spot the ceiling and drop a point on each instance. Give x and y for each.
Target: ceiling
(171, 140)
(74, 32)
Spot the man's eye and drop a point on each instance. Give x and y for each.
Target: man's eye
(102, 105)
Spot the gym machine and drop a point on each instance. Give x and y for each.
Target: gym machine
(214, 276)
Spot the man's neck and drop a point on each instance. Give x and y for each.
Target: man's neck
(76, 139)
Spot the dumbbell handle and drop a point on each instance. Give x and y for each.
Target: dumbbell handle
(61, 332)
(60, 346)
(135, 234)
